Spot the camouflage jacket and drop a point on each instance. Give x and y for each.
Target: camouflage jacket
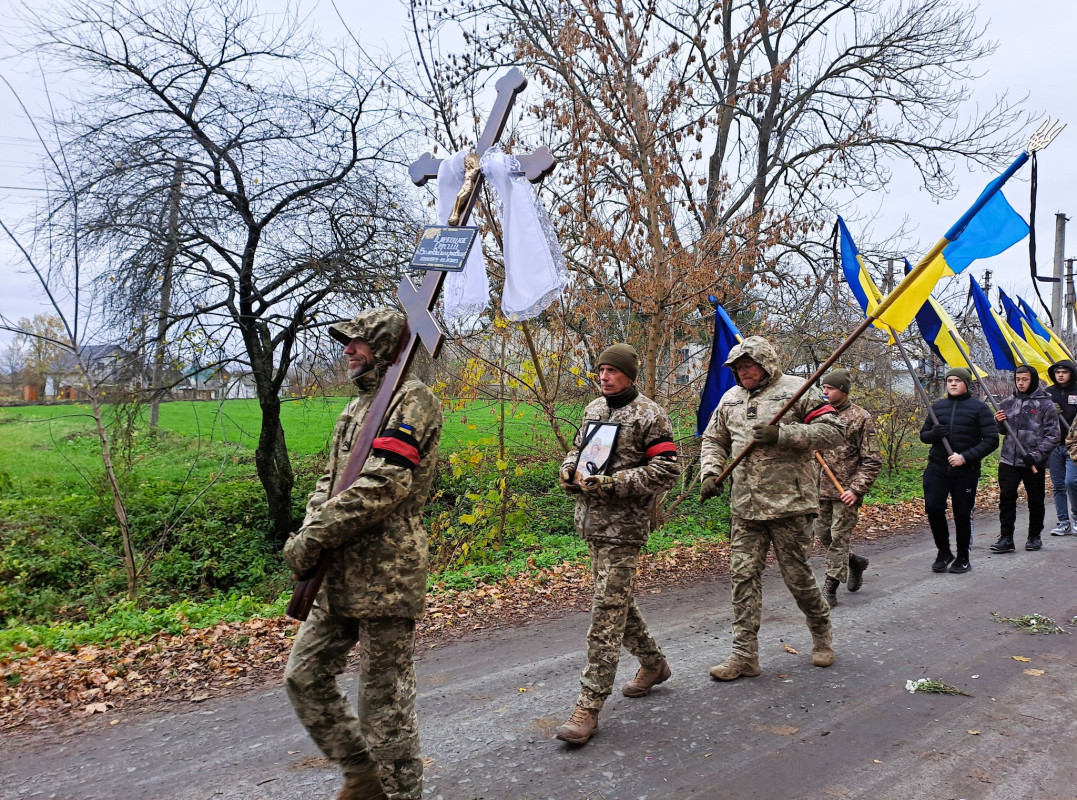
(856, 462)
(375, 526)
(777, 480)
(643, 465)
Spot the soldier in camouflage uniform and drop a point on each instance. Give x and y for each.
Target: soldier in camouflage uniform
(774, 494)
(375, 588)
(856, 463)
(612, 513)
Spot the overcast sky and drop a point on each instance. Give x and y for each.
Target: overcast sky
(1035, 57)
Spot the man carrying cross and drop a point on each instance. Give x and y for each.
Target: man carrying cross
(375, 587)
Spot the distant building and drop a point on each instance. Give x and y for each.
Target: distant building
(110, 370)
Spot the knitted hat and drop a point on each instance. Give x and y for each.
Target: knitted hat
(963, 373)
(622, 357)
(839, 379)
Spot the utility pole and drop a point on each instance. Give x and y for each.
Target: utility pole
(1060, 251)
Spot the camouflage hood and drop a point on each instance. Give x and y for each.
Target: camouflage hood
(381, 328)
(762, 353)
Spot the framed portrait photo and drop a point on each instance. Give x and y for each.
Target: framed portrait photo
(596, 449)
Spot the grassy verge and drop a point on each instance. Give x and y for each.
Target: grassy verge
(490, 517)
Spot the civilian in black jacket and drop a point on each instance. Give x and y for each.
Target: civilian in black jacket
(970, 427)
(1063, 392)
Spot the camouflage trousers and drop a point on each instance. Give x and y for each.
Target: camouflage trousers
(834, 529)
(615, 620)
(750, 539)
(386, 729)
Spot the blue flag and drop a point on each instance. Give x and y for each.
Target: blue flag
(720, 378)
(989, 321)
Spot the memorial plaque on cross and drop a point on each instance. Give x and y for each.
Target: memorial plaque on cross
(418, 303)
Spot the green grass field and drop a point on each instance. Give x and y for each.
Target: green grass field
(53, 447)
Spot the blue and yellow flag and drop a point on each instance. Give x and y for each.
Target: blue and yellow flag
(720, 378)
(1043, 331)
(1008, 349)
(989, 227)
(865, 291)
(939, 331)
(1020, 324)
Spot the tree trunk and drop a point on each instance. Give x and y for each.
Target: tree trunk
(274, 466)
(166, 291)
(118, 505)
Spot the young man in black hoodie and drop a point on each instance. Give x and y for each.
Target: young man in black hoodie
(1033, 421)
(969, 427)
(1063, 375)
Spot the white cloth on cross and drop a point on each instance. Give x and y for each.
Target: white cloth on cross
(535, 271)
(465, 293)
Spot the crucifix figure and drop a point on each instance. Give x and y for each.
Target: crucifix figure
(418, 302)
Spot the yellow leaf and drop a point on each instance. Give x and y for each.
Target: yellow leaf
(1034, 672)
(973, 733)
(877, 761)
(789, 650)
(522, 689)
(1020, 658)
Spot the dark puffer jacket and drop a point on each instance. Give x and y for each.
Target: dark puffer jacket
(1034, 421)
(973, 430)
(1064, 395)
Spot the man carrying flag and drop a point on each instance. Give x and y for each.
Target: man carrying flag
(970, 427)
(856, 463)
(1033, 421)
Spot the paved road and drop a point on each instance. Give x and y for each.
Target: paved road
(488, 706)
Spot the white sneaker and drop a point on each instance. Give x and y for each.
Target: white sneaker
(1062, 529)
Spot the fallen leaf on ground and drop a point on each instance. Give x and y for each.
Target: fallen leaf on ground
(780, 730)
(973, 733)
(1020, 658)
(1034, 672)
(790, 650)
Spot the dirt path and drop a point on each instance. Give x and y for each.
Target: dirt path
(488, 706)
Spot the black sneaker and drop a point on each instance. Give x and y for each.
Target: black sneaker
(1034, 543)
(960, 565)
(941, 563)
(1003, 545)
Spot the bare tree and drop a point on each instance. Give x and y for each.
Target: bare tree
(233, 172)
(13, 365)
(705, 146)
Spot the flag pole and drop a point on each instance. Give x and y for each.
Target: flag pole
(920, 393)
(990, 397)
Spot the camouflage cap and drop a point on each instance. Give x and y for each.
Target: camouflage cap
(378, 327)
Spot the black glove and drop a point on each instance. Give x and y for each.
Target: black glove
(710, 488)
(765, 434)
(1030, 460)
(939, 432)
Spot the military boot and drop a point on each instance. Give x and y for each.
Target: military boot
(830, 591)
(1034, 542)
(1004, 544)
(857, 565)
(646, 679)
(735, 667)
(581, 726)
(822, 649)
(362, 783)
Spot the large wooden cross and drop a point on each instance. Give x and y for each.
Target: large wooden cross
(419, 304)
